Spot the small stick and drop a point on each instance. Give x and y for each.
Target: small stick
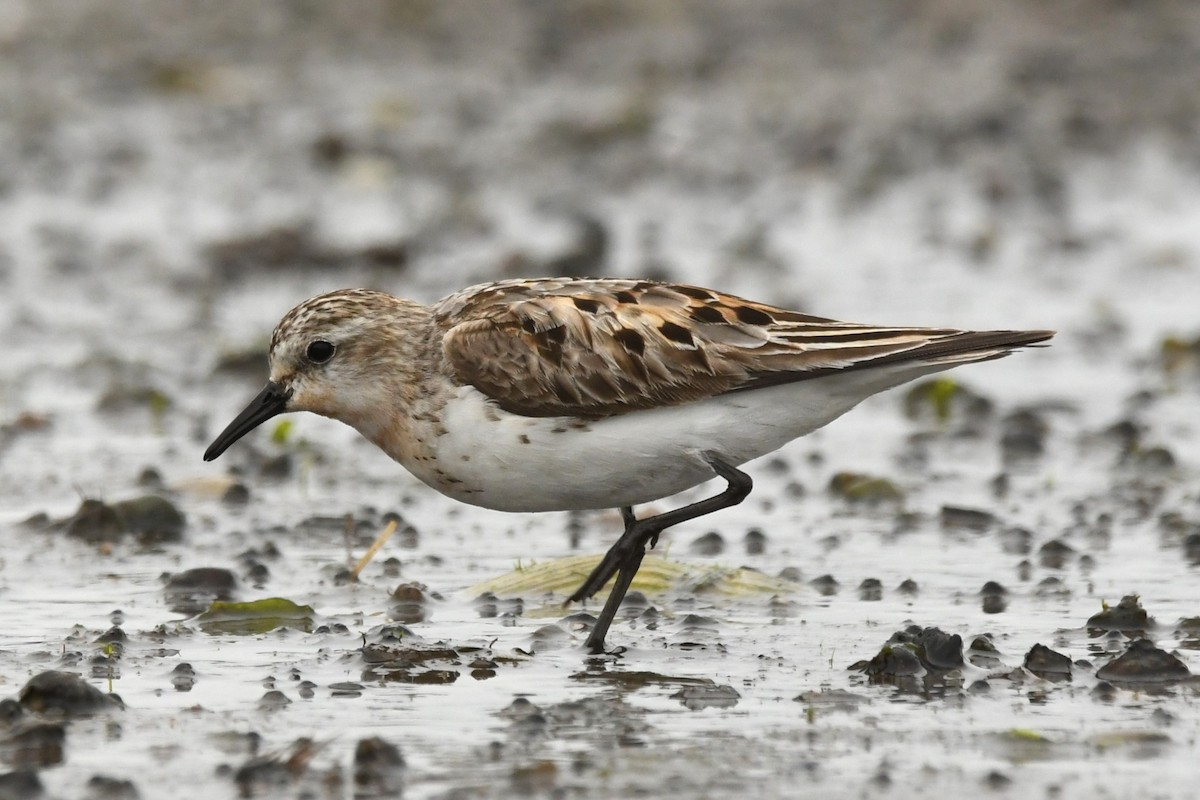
(380, 540)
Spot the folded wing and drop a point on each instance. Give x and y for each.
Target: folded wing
(605, 347)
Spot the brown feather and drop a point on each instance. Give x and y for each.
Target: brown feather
(596, 348)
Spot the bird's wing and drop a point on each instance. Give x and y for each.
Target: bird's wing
(596, 348)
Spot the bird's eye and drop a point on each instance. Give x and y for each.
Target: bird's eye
(319, 351)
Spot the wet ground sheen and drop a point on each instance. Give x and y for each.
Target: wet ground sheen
(986, 585)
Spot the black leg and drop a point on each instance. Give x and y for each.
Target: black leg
(625, 556)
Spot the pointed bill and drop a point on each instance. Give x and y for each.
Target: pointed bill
(271, 401)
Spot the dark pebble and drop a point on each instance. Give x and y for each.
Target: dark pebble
(183, 677)
(151, 478)
(1152, 459)
(1022, 436)
(940, 650)
(1191, 548)
(993, 604)
(983, 653)
(892, 662)
(1125, 435)
(826, 585)
(549, 637)
(266, 776)
(273, 700)
(236, 495)
(1104, 692)
(378, 768)
(194, 590)
(64, 693)
(870, 590)
(329, 149)
(1054, 554)
(113, 635)
(257, 575)
(95, 522)
(10, 711)
(519, 708)
(408, 603)
(994, 598)
(1047, 663)
(1016, 541)
(992, 587)
(913, 651)
(710, 544)
(755, 542)
(407, 536)
(791, 574)
(634, 604)
(486, 605)
(1127, 615)
(1024, 570)
(37, 744)
(777, 465)
(695, 698)
(152, 519)
(699, 622)
(970, 520)
(278, 467)
(22, 784)
(997, 781)
(908, 587)
(1142, 662)
(38, 522)
(1051, 587)
(102, 787)
(1175, 527)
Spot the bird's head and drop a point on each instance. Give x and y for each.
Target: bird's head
(339, 355)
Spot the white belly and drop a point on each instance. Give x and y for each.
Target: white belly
(502, 461)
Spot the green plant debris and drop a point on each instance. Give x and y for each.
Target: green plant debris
(869, 489)
(256, 616)
(937, 394)
(282, 432)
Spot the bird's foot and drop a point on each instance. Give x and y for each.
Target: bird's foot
(626, 553)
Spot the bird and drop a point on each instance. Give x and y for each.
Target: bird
(568, 394)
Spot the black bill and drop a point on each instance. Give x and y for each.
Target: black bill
(271, 401)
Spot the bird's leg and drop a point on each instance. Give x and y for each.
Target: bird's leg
(625, 556)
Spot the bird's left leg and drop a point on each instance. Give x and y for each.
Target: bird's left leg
(625, 556)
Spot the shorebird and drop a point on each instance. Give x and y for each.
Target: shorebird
(565, 394)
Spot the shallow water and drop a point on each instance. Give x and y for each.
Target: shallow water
(145, 175)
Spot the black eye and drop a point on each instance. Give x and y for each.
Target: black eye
(319, 351)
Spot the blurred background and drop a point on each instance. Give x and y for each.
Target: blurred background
(175, 176)
(198, 168)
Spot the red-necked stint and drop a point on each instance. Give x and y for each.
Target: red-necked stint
(564, 394)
